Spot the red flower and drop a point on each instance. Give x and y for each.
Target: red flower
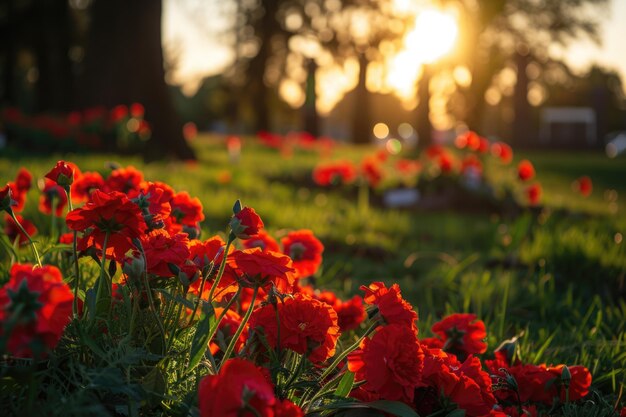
(462, 334)
(154, 202)
(307, 326)
(286, 408)
(445, 161)
(465, 384)
(580, 381)
(6, 198)
(137, 110)
(392, 307)
(584, 186)
(52, 193)
(340, 172)
(471, 163)
(84, 184)
(408, 167)
(109, 212)
(44, 304)
(305, 250)
(161, 250)
(262, 240)
(12, 230)
(533, 194)
(371, 171)
(238, 387)
(264, 267)
(525, 170)
(124, 180)
(23, 181)
(66, 238)
(351, 313)
(391, 363)
(246, 223)
(62, 174)
(503, 151)
(186, 210)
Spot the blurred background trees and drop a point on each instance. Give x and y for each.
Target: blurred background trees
(324, 66)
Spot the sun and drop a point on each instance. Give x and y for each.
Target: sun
(433, 35)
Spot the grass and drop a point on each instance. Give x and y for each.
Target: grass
(555, 277)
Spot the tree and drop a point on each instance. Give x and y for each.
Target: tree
(517, 32)
(124, 64)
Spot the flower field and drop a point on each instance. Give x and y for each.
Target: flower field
(276, 276)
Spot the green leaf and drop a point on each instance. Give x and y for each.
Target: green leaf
(345, 385)
(237, 207)
(155, 384)
(200, 341)
(456, 413)
(394, 407)
(177, 299)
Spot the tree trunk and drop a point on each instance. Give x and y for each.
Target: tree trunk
(361, 119)
(522, 130)
(311, 117)
(424, 126)
(52, 44)
(124, 64)
(9, 52)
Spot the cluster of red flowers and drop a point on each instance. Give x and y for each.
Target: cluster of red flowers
(92, 128)
(296, 140)
(277, 314)
(35, 307)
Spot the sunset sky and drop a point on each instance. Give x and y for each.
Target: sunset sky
(191, 35)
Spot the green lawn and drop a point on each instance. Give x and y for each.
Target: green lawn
(556, 276)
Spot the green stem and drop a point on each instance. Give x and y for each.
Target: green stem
(220, 272)
(30, 240)
(197, 304)
(242, 325)
(223, 314)
(53, 222)
(68, 193)
(103, 293)
(346, 352)
(146, 283)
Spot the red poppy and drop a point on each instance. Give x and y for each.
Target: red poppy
(334, 173)
(445, 161)
(62, 173)
(119, 112)
(525, 170)
(584, 186)
(391, 363)
(155, 203)
(84, 184)
(371, 171)
(351, 313)
(264, 267)
(462, 334)
(533, 194)
(502, 151)
(238, 388)
(246, 223)
(52, 194)
(7, 202)
(44, 303)
(580, 381)
(286, 408)
(392, 307)
(124, 180)
(13, 231)
(66, 238)
(408, 167)
(465, 384)
(110, 212)
(186, 210)
(306, 326)
(262, 240)
(203, 253)
(137, 110)
(24, 180)
(305, 250)
(161, 250)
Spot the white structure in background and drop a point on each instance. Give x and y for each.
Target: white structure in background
(568, 118)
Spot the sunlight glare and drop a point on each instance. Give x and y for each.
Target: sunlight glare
(433, 36)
